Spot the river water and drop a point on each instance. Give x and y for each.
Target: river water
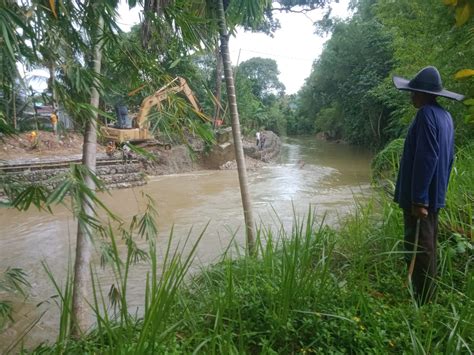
(325, 176)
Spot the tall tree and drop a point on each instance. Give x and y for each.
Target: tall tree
(239, 152)
(250, 14)
(263, 74)
(14, 49)
(84, 233)
(342, 96)
(218, 80)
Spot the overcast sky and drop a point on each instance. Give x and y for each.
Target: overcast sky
(294, 46)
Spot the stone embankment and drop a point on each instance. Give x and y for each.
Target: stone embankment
(50, 172)
(115, 172)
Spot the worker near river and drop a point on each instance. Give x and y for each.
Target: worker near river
(423, 176)
(54, 121)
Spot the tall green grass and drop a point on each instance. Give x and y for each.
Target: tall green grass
(315, 290)
(458, 216)
(12, 281)
(327, 291)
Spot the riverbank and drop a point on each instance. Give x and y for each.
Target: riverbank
(46, 147)
(187, 204)
(45, 157)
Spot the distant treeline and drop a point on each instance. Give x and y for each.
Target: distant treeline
(349, 94)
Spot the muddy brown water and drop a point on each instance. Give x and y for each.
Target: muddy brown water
(325, 176)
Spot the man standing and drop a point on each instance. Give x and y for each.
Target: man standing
(423, 177)
(121, 110)
(54, 121)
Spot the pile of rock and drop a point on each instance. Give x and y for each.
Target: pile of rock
(266, 152)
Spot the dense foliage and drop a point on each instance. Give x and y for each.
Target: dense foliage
(349, 93)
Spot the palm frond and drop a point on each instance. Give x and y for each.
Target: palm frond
(14, 280)
(5, 128)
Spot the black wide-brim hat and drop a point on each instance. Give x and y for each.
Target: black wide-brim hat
(427, 80)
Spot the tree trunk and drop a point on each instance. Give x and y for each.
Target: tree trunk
(80, 311)
(239, 152)
(14, 107)
(218, 92)
(52, 76)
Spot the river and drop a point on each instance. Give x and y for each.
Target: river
(325, 176)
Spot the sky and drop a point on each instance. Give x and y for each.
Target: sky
(294, 46)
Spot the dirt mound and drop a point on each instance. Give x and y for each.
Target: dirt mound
(41, 144)
(169, 161)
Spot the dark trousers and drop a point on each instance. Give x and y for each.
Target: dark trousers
(424, 272)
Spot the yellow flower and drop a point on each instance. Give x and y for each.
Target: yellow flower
(357, 319)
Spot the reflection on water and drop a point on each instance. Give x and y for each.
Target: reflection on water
(312, 173)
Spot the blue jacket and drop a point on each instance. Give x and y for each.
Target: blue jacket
(427, 159)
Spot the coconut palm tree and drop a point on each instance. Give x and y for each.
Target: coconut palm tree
(239, 152)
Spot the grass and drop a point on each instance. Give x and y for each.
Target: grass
(458, 216)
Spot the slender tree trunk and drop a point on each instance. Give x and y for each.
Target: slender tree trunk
(14, 107)
(239, 152)
(218, 93)
(379, 133)
(6, 90)
(52, 75)
(80, 312)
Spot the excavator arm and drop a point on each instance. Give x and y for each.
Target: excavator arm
(179, 84)
(141, 133)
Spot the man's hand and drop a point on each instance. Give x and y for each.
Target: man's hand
(419, 211)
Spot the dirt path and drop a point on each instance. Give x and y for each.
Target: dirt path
(44, 145)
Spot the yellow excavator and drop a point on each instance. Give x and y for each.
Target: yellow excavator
(140, 131)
